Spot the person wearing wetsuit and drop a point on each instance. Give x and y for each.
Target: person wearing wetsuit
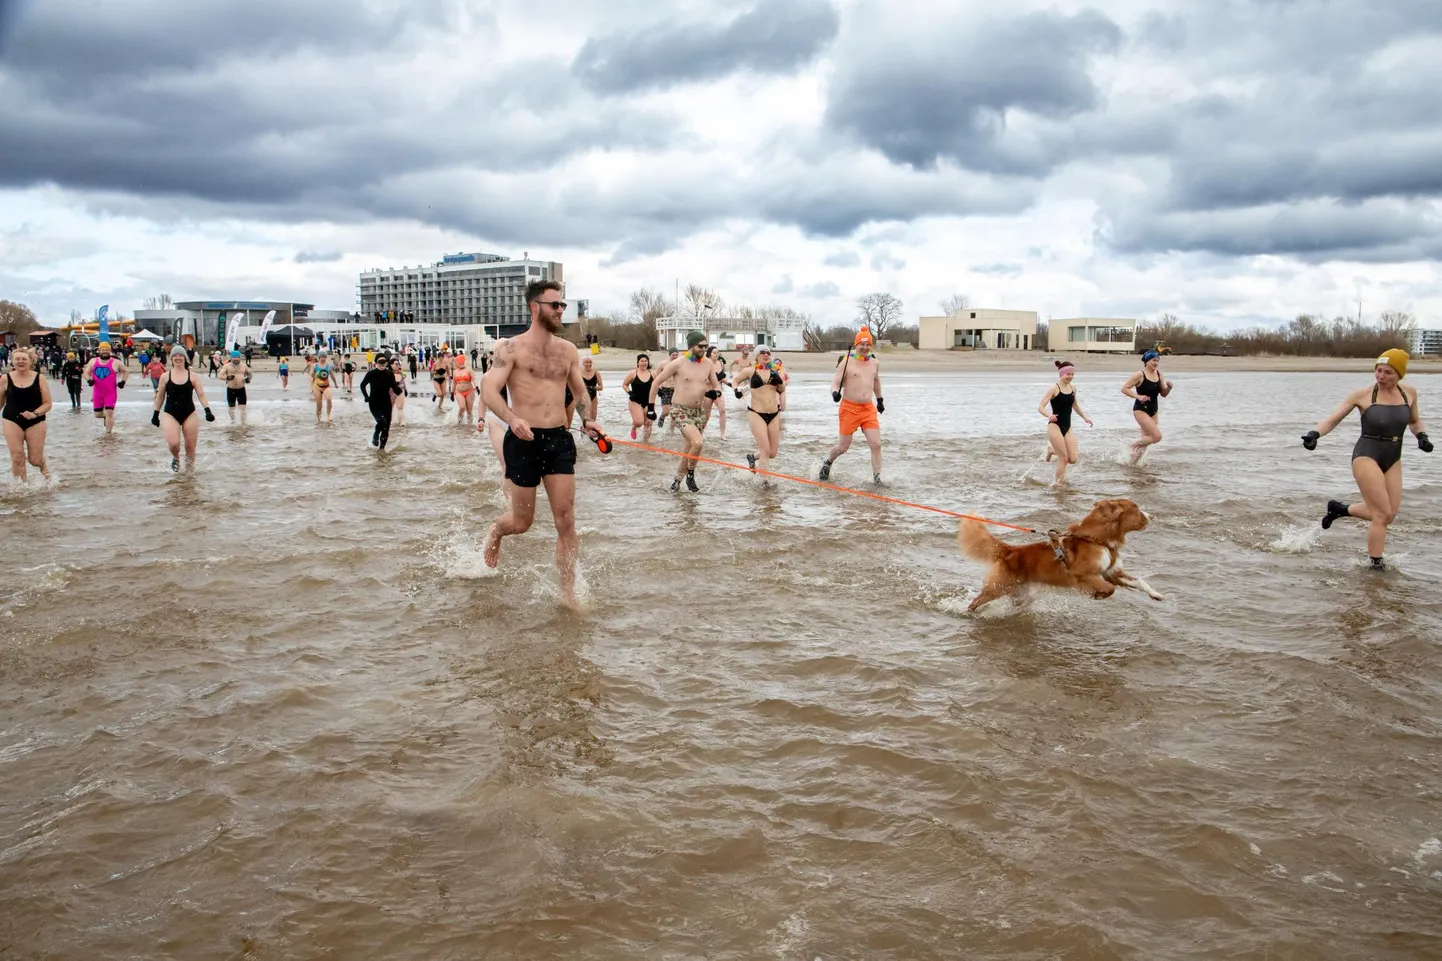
(174, 409)
(378, 388)
(1062, 400)
(25, 396)
(765, 385)
(73, 371)
(1388, 408)
(1145, 387)
(638, 392)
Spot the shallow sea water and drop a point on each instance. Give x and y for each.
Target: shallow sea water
(280, 709)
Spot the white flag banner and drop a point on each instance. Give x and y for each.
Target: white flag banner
(265, 325)
(232, 330)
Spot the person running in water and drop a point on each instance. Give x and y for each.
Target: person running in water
(378, 389)
(856, 386)
(25, 397)
(1146, 387)
(347, 371)
(283, 371)
(155, 370)
(74, 372)
(105, 375)
(665, 395)
(693, 375)
(236, 375)
(534, 369)
(174, 410)
(463, 380)
(766, 385)
(322, 384)
(1389, 408)
(398, 402)
(637, 385)
(714, 395)
(591, 377)
(1062, 399)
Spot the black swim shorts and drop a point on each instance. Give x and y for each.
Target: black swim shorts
(553, 451)
(234, 396)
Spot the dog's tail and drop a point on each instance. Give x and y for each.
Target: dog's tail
(979, 544)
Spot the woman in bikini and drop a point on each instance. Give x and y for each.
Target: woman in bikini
(464, 385)
(1062, 399)
(713, 395)
(174, 411)
(1145, 387)
(398, 406)
(26, 399)
(638, 389)
(766, 386)
(1389, 409)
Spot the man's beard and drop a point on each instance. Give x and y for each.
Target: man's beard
(552, 326)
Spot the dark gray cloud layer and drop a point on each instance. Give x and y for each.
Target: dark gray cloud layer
(774, 36)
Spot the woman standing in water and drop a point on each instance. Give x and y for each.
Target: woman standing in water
(174, 411)
(463, 389)
(1062, 398)
(398, 406)
(591, 377)
(1145, 387)
(713, 395)
(767, 387)
(1388, 409)
(638, 388)
(26, 399)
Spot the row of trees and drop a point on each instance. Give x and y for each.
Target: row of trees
(1308, 335)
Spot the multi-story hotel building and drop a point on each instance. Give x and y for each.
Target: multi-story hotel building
(475, 289)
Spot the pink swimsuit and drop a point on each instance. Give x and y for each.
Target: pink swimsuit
(103, 395)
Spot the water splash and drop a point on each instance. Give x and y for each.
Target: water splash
(1296, 539)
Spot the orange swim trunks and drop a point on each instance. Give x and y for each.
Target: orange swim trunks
(855, 417)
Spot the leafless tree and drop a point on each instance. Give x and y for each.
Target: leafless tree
(880, 312)
(955, 304)
(150, 303)
(697, 300)
(1397, 322)
(165, 302)
(76, 318)
(649, 306)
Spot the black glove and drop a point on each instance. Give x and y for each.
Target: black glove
(1424, 443)
(209, 415)
(880, 406)
(90, 382)
(650, 411)
(738, 395)
(247, 378)
(120, 385)
(1309, 439)
(836, 396)
(155, 418)
(776, 380)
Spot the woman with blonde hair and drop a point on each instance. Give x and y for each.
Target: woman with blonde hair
(174, 411)
(25, 396)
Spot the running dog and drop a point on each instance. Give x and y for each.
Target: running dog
(1085, 558)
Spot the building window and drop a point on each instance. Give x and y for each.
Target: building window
(1076, 335)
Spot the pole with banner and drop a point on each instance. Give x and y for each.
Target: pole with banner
(232, 331)
(265, 328)
(102, 323)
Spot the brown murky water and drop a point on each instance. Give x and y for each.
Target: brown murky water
(280, 709)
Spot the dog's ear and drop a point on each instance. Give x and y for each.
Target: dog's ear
(1108, 508)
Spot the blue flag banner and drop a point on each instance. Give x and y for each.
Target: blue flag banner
(102, 317)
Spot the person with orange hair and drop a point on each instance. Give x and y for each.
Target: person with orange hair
(858, 391)
(1388, 409)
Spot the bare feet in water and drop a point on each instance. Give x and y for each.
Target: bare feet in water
(492, 552)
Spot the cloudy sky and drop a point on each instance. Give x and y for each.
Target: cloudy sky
(1231, 161)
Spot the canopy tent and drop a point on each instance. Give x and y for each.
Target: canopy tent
(287, 331)
(145, 335)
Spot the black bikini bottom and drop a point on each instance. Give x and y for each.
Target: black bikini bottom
(768, 418)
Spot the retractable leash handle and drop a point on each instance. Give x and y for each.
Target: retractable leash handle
(602, 442)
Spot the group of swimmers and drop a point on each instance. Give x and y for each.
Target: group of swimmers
(538, 384)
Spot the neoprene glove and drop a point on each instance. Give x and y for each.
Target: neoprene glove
(880, 406)
(209, 415)
(155, 418)
(90, 382)
(836, 396)
(1424, 443)
(650, 411)
(120, 385)
(776, 380)
(1309, 439)
(738, 395)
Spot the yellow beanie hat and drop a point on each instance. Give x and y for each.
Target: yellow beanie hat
(1396, 358)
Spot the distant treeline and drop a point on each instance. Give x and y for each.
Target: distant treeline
(1307, 336)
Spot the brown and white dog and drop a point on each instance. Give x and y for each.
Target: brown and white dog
(1085, 558)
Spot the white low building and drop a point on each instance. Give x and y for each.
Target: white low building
(727, 333)
(985, 328)
(1102, 334)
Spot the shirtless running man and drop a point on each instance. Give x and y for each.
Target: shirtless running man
(693, 374)
(236, 375)
(526, 389)
(857, 388)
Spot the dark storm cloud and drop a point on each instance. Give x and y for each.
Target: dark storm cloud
(959, 99)
(317, 257)
(774, 36)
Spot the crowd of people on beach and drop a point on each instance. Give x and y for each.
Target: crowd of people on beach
(532, 389)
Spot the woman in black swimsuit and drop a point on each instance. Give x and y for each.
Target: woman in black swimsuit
(638, 389)
(714, 394)
(174, 411)
(1388, 409)
(26, 398)
(1145, 387)
(591, 377)
(1062, 398)
(766, 386)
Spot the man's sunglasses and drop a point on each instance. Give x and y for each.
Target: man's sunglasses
(558, 304)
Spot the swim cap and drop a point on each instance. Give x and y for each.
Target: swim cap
(1150, 355)
(177, 351)
(863, 336)
(234, 354)
(1396, 358)
(694, 338)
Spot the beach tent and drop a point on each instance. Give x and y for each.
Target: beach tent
(145, 335)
